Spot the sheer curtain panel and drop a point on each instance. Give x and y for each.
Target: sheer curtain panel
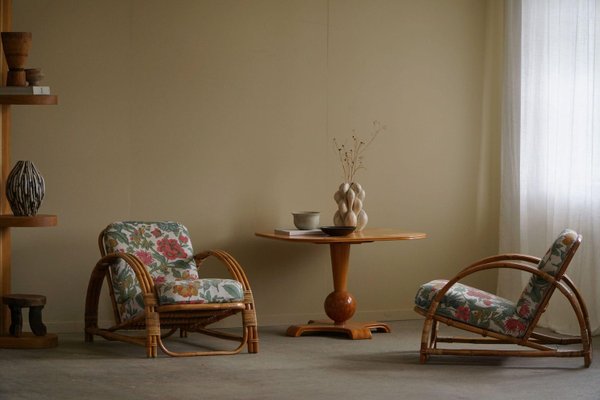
(551, 142)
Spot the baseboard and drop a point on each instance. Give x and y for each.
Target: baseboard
(263, 319)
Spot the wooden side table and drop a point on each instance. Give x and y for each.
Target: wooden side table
(340, 305)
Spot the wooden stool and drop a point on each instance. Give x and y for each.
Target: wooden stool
(16, 302)
(38, 338)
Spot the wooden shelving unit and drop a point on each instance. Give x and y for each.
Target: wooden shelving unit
(37, 221)
(7, 220)
(26, 99)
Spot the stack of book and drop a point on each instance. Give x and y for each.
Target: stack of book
(298, 232)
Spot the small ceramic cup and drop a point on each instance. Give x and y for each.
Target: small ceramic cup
(306, 219)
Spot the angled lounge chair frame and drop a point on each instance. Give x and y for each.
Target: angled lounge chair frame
(161, 321)
(537, 344)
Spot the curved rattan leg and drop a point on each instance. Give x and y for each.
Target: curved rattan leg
(586, 342)
(587, 358)
(164, 349)
(586, 337)
(252, 339)
(250, 325)
(152, 325)
(580, 309)
(92, 299)
(425, 339)
(434, 333)
(99, 273)
(250, 322)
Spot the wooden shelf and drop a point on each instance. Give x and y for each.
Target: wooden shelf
(40, 220)
(29, 341)
(29, 99)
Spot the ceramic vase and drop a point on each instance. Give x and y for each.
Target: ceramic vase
(25, 189)
(350, 198)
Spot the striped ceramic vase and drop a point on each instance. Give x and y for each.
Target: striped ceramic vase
(25, 189)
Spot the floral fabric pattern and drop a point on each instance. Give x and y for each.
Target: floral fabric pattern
(200, 291)
(551, 263)
(166, 251)
(494, 313)
(474, 307)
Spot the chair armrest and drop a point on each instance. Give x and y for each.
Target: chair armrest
(505, 257)
(234, 268)
(138, 267)
(99, 273)
(476, 267)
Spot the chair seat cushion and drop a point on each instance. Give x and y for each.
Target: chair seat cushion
(474, 307)
(199, 291)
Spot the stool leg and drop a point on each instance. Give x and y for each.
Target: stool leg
(16, 321)
(35, 321)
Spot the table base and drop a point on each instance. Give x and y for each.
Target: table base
(354, 330)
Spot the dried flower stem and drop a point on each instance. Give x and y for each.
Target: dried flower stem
(351, 157)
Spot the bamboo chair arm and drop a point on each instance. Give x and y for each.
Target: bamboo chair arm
(570, 286)
(506, 257)
(99, 273)
(482, 267)
(570, 291)
(234, 268)
(141, 272)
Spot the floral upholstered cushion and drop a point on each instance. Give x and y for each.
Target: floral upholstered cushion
(166, 250)
(164, 247)
(199, 291)
(474, 307)
(551, 263)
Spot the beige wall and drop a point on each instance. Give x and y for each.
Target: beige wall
(220, 114)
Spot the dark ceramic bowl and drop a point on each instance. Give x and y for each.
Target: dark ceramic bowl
(338, 230)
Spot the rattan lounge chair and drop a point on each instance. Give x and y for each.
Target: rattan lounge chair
(501, 321)
(152, 276)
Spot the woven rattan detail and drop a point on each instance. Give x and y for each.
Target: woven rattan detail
(249, 318)
(150, 299)
(153, 324)
(248, 297)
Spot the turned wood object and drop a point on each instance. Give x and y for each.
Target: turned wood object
(16, 47)
(16, 303)
(339, 304)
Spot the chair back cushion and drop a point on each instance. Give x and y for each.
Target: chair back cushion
(554, 263)
(166, 250)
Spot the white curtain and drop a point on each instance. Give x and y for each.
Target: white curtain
(551, 143)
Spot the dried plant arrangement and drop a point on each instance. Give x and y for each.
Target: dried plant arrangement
(352, 156)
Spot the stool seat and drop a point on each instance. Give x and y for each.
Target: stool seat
(24, 300)
(16, 302)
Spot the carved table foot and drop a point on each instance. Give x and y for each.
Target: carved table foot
(354, 330)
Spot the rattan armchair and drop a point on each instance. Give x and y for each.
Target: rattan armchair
(501, 321)
(152, 276)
